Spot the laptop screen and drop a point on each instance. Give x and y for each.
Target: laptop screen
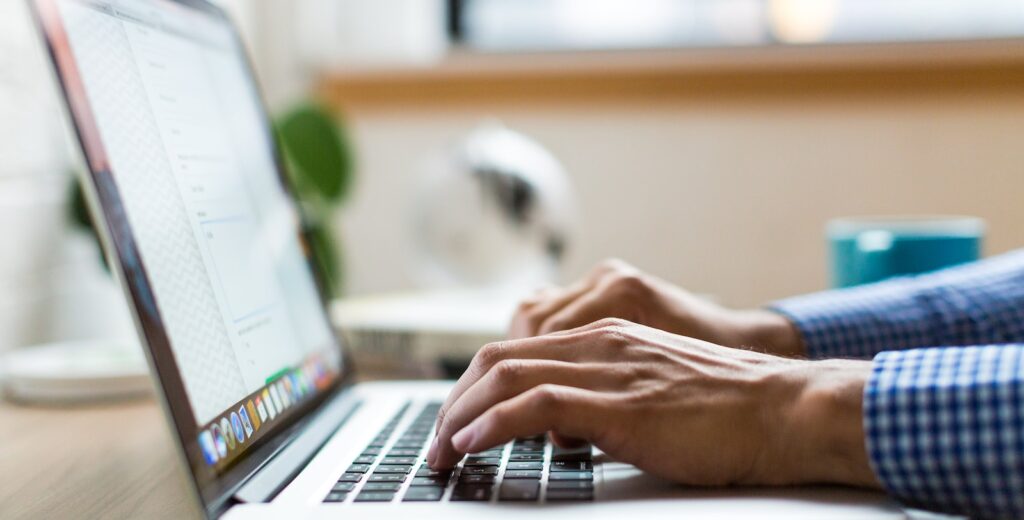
(184, 165)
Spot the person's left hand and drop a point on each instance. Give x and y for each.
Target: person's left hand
(684, 409)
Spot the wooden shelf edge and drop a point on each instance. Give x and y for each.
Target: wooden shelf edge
(465, 77)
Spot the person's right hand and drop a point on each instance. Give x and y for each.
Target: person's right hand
(679, 408)
(615, 289)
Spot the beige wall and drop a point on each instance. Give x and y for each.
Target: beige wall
(726, 195)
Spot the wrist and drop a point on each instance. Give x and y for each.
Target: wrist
(769, 331)
(824, 425)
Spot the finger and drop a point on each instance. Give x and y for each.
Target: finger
(573, 346)
(508, 379)
(542, 294)
(569, 412)
(531, 313)
(589, 308)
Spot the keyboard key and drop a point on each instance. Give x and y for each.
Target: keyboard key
(523, 473)
(564, 465)
(482, 461)
(480, 470)
(423, 494)
(392, 468)
(344, 487)
(336, 496)
(403, 452)
(471, 493)
(371, 451)
(571, 475)
(410, 444)
(387, 477)
(358, 468)
(428, 472)
(528, 442)
(527, 449)
(525, 457)
(365, 459)
(570, 484)
(430, 481)
(382, 486)
(477, 479)
(571, 454)
(399, 460)
(559, 495)
(525, 465)
(375, 496)
(351, 477)
(497, 452)
(519, 490)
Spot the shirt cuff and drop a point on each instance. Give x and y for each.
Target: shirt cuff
(862, 321)
(944, 428)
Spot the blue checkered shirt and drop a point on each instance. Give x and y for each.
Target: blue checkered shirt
(944, 406)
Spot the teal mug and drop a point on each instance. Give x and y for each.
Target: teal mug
(871, 249)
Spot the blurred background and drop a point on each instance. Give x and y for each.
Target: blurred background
(706, 141)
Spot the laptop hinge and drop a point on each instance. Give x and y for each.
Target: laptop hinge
(269, 480)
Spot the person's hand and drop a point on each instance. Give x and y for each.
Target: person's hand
(684, 409)
(615, 289)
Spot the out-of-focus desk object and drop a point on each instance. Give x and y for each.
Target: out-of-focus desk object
(427, 334)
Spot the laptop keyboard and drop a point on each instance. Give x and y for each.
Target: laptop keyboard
(392, 469)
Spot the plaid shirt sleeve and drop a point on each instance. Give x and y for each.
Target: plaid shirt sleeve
(944, 426)
(976, 304)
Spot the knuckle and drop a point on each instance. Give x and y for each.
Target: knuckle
(629, 284)
(613, 335)
(491, 353)
(507, 369)
(612, 322)
(547, 396)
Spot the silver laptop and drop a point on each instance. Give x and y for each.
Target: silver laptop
(203, 234)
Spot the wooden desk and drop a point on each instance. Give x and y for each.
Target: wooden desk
(111, 461)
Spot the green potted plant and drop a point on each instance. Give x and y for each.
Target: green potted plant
(320, 166)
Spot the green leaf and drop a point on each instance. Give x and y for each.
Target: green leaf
(319, 156)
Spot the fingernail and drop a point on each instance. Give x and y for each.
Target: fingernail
(463, 439)
(432, 452)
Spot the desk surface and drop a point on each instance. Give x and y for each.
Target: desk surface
(112, 461)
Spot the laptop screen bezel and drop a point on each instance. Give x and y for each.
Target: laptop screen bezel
(107, 207)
